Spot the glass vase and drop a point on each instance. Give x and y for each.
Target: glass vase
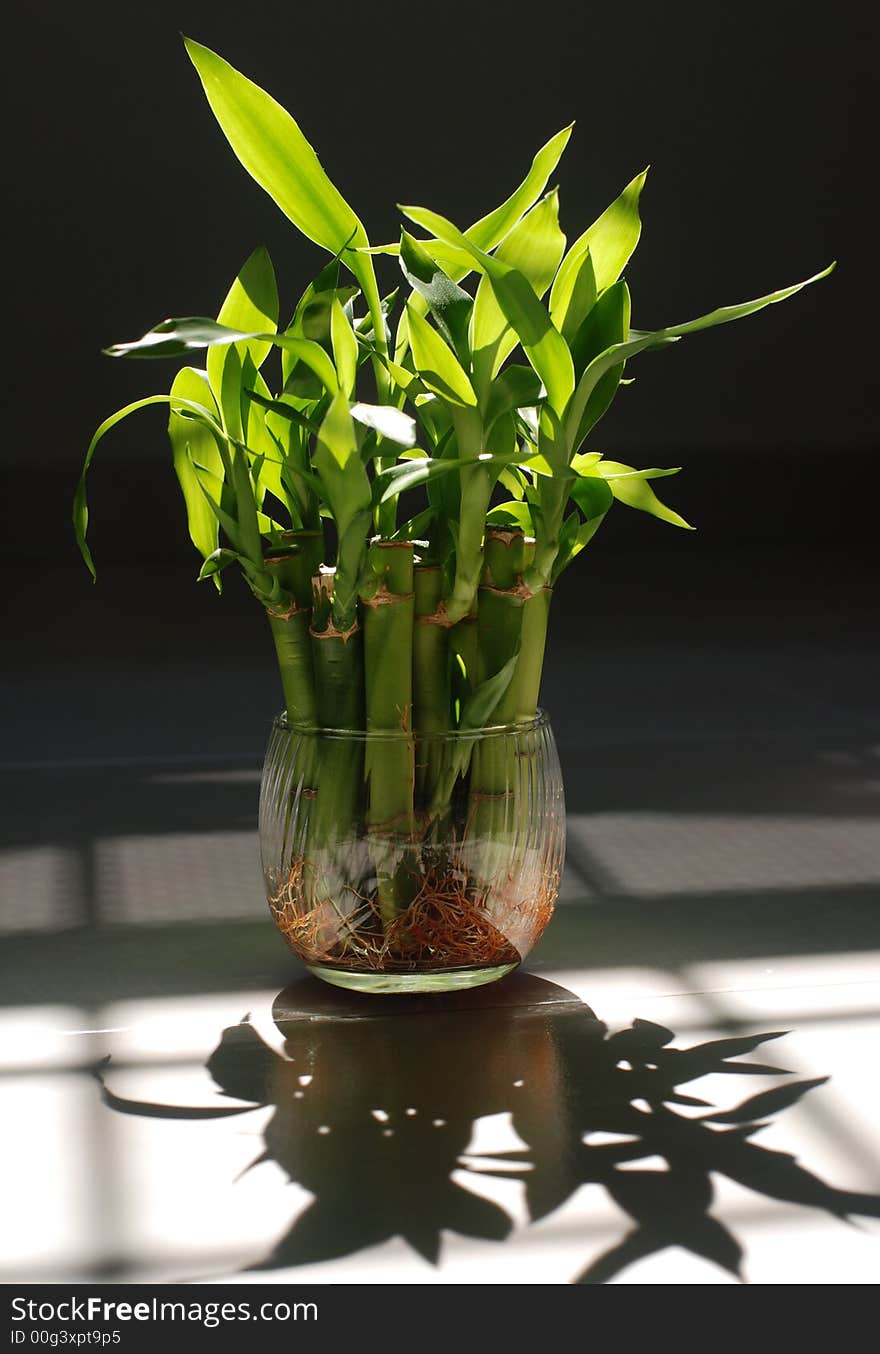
(397, 862)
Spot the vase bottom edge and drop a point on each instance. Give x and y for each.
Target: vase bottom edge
(452, 980)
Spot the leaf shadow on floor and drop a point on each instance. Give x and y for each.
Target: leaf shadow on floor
(375, 1098)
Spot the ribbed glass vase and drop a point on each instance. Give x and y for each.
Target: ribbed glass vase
(451, 893)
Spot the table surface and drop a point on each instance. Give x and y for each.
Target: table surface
(681, 1086)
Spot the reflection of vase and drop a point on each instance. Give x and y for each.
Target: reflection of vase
(453, 893)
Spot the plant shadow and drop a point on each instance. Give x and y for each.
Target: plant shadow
(375, 1098)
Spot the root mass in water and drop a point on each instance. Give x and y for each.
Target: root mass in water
(449, 923)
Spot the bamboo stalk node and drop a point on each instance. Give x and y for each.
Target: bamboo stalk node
(288, 613)
(382, 597)
(517, 593)
(330, 632)
(440, 617)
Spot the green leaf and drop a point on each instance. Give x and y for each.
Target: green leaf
(273, 150)
(515, 388)
(250, 305)
(615, 356)
(612, 238)
(80, 502)
(490, 230)
(534, 248)
(593, 496)
(216, 562)
(389, 422)
(397, 479)
(337, 434)
(727, 313)
(574, 291)
(438, 368)
(450, 305)
(229, 393)
(605, 325)
(616, 470)
(584, 462)
(346, 490)
(543, 345)
(512, 513)
(345, 348)
(175, 337)
(192, 441)
(484, 699)
(284, 408)
(246, 506)
(630, 486)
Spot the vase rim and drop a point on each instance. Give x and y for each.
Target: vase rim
(540, 720)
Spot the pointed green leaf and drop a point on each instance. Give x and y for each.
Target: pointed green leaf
(337, 433)
(534, 248)
(246, 506)
(727, 313)
(251, 305)
(450, 305)
(229, 394)
(273, 150)
(387, 421)
(616, 470)
(631, 487)
(484, 699)
(612, 238)
(80, 502)
(490, 230)
(574, 291)
(192, 441)
(175, 337)
(593, 496)
(615, 356)
(605, 325)
(436, 363)
(345, 348)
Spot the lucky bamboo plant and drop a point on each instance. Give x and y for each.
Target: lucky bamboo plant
(405, 482)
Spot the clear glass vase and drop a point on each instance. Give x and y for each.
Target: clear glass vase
(409, 863)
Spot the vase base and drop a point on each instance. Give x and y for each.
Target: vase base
(453, 980)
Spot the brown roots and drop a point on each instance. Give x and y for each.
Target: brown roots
(452, 922)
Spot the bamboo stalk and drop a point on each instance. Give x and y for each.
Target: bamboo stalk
(293, 566)
(432, 678)
(495, 801)
(337, 803)
(390, 758)
(533, 642)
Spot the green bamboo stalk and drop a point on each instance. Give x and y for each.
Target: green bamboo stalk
(387, 610)
(495, 806)
(337, 804)
(432, 678)
(293, 566)
(533, 642)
